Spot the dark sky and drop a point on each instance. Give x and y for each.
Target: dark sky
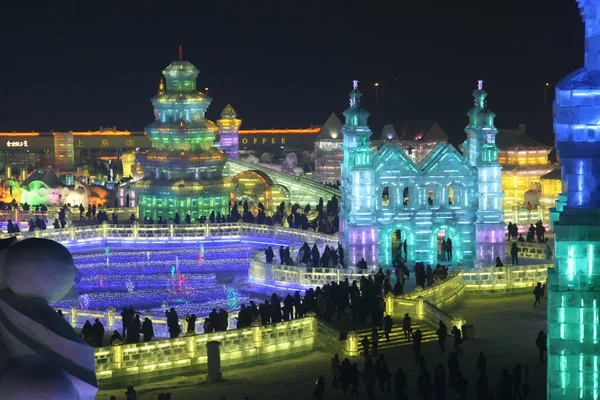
(287, 63)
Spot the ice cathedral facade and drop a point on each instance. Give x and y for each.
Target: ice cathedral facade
(387, 198)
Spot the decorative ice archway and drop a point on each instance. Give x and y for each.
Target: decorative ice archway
(457, 245)
(385, 242)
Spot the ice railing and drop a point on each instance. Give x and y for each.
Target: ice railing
(505, 278)
(294, 277)
(174, 233)
(530, 250)
(111, 319)
(426, 305)
(131, 364)
(22, 217)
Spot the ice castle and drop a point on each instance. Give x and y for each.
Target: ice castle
(387, 198)
(574, 283)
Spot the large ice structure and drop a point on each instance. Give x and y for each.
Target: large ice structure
(386, 194)
(41, 355)
(574, 283)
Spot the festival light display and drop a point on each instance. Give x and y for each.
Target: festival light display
(183, 170)
(444, 195)
(147, 279)
(574, 283)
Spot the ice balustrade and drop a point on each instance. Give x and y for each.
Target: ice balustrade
(530, 250)
(443, 294)
(505, 278)
(111, 319)
(520, 215)
(132, 364)
(292, 277)
(302, 190)
(174, 233)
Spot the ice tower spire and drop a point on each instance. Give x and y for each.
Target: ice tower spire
(574, 284)
(482, 153)
(590, 11)
(358, 230)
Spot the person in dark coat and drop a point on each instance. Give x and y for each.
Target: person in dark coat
(319, 392)
(400, 381)
(457, 339)
(116, 339)
(387, 326)
(537, 293)
(514, 253)
(191, 321)
(127, 316)
(442, 333)
(147, 329)
(483, 387)
(424, 384)
(134, 330)
(417, 338)
(481, 363)
(407, 326)
(98, 333)
(173, 323)
(540, 342)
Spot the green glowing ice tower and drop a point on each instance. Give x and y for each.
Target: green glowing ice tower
(183, 169)
(574, 283)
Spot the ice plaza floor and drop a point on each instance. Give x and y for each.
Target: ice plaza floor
(505, 327)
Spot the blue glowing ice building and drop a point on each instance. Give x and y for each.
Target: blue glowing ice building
(574, 283)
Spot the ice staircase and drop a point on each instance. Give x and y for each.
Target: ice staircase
(397, 336)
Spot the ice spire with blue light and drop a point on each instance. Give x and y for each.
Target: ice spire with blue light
(574, 283)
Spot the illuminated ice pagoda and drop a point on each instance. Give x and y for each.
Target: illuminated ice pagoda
(388, 198)
(574, 283)
(229, 125)
(183, 169)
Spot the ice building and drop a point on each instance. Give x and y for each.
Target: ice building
(182, 170)
(418, 137)
(574, 283)
(387, 197)
(229, 126)
(528, 175)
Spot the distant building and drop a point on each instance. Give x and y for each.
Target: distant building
(527, 174)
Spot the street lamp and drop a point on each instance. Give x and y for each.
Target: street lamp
(206, 90)
(546, 86)
(376, 96)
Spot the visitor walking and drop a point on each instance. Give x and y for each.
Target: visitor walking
(537, 292)
(540, 342)
(514, 252)
(442, 333)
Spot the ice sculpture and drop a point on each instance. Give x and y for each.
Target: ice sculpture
(41, 356)
(393, 206)
(183, 170)
(229, 125)
(574, 283)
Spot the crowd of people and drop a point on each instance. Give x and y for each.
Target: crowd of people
(535, 231)
(326, 219)
(376, 373)
(309, 256)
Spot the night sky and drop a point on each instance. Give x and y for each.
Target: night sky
(288, 64)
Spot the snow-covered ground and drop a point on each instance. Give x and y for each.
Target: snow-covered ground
(505, 329)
